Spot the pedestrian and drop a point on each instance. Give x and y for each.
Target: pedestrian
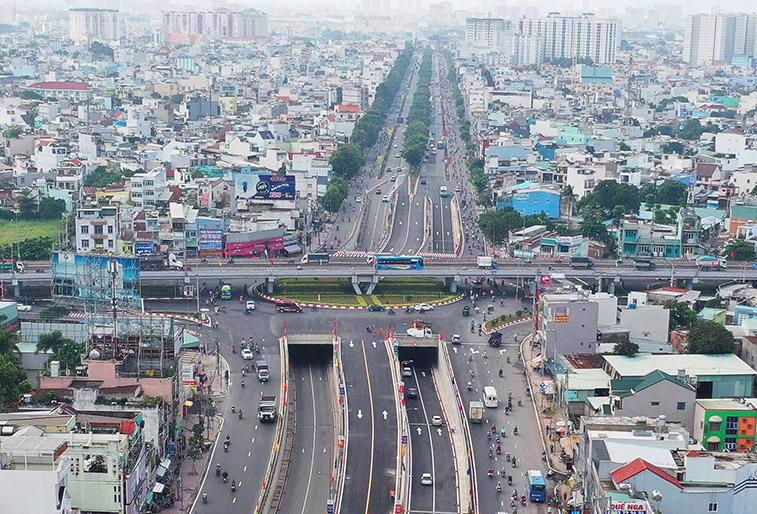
(551, 447)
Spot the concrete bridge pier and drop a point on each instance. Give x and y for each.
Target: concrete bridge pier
(269, 283)
(451, 283)
(364, 284)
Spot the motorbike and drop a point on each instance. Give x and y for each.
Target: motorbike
(391, 312)
(225, 477)
(523, 501)
(233, 409)
(233, 486)
(499, 450)
(490, 473)
(469, 386)
(509, 480)
(520, 403)
(514, 461)
(204, 497)
(226, 447)
(242, 386)
(499, 487)
(240, 413)
(515, 431)
(218, 470)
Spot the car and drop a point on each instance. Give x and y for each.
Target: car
(398, 156)
(424, 307)
(378, 191)
(358, 199)
(411, 392)
(396, 145)
(249, 305)
(466, 311)
(437, 421)
(22, 307)
(393, 179)
(247, 354)
(423, 180)
(407, 370)
(376, 308)
(456, 338)
(427, 479)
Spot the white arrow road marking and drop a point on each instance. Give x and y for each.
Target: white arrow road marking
(423, 374)
(385, 414)
(439, 431)
(359, 414)
(419, 430)
(352, 345)
(503, 351)
(373, 343)
(454, 349)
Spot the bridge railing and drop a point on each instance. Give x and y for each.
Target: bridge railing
(273, 468)
(341, 422)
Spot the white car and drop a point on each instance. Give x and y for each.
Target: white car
(437, 421)
(424, 307)
(250, 305)
(247, 354)
(456, 339)
(22, 307)
(385, 198)
(427, 479)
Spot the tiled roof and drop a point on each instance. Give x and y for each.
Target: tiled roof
(61, 85)
(638, 465)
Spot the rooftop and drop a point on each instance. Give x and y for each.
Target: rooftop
(61, 86)
(743, 404)
(635, 467)
(692, 364)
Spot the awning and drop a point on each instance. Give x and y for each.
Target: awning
(158, 488)
(149, 497)
(190, 341)
(292, 249)
(715, 419)
(713, 439)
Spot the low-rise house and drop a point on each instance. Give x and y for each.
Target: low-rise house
(726, 424)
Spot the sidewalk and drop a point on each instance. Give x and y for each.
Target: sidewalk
(552, 423)
(187, 484)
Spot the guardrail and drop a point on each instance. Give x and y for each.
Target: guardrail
(403, 471)
(265, 498)
(470, 457)
(341, 422)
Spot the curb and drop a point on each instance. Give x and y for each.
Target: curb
(355, 307)
(500, 327)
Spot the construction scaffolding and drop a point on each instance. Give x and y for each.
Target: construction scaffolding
(93, 281)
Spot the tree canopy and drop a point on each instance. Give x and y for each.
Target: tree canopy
(626, 348)
(681, 315)
(669, 192)
(347, 161)
(336, 192)
(419, 116)
(708, 337)
(740, 250)
(608, 193)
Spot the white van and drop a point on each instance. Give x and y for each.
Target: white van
(490, 397)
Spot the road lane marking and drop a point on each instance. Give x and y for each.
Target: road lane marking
(373, 431)
(312, 446)
(430, 441)
(244, 470)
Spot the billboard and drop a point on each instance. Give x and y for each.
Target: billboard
(144, 248)
(82, 278)
(251, 186)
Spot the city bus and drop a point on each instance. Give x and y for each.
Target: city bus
(226, 292)
(537, 486)
(320, 258)
(398, 262)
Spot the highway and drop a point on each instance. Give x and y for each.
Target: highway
(431, 447)
(251, 441)
(308, 485)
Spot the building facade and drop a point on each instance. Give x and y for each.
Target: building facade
(93, 24)
(485, 32)
(718, 38)
(217, 24)
(97, 229)
(726, 424)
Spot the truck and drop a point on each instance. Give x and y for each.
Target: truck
(495, 339)
(581, 262)
(9, 265)
(160, 262)
(267, 408)
(420, 329)
(644, 262)
(710, 263)
(475, 411)
(263, 373)
(485, 262)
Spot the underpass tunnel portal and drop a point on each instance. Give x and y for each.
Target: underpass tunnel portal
(314, 354)
(421, 357)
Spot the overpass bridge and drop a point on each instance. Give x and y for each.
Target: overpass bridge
(364, 278)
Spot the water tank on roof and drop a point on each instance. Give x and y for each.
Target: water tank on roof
(54, 369)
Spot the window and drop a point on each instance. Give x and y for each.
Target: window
(730, 443)
(110, 243)
(655, 404)
(110, 229)
(85, 229)
(85, 243)
(712, 507)
(98, 229)
(731, 425)
(713, 447)
(681, 406)
(715, 426)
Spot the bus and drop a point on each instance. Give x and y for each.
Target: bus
(399, 262)
(537, 486)
(226, 292)
(320, 258)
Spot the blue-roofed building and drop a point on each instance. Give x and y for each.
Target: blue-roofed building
(497, 158)
(596, 74)
(531, 198)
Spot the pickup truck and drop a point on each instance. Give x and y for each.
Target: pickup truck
(263, 373)
(267, 408)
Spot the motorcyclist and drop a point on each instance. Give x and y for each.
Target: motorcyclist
(233, 409)
(515, 430)
(499, 487)
(233, 486)
(228, 439)
(501, 373)
(225, 476)
(242, 386)
(218, 470)
(490, 473)
(509, 480)
(240, 413)
(204, 497)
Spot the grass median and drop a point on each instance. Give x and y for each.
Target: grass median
(339, 292)
(16, 231)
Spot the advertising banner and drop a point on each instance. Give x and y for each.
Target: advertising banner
(251, 186)
(96, 278)
(144, 248)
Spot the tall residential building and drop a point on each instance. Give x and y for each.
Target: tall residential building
(93, 24)
(574, 37)
(717, 38)
(217, 24)
(485, 32)
(8, 12)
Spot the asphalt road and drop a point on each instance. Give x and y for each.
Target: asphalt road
(526, 446)
(431, 448)
(251, 441)
(308, 485)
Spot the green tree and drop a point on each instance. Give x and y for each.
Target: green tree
(673, 147)
(8, 341)
(593, 226)
(626, 348)
(69, 354)
(708, 337)
(608, 193)
(51, 208)
(740, 250)
(51, 342)
(335, 194)
(27, 207)
(101, 177)
(347, 161)
(13, 381)
(681, 315)
(196, 444)
(496, 224)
